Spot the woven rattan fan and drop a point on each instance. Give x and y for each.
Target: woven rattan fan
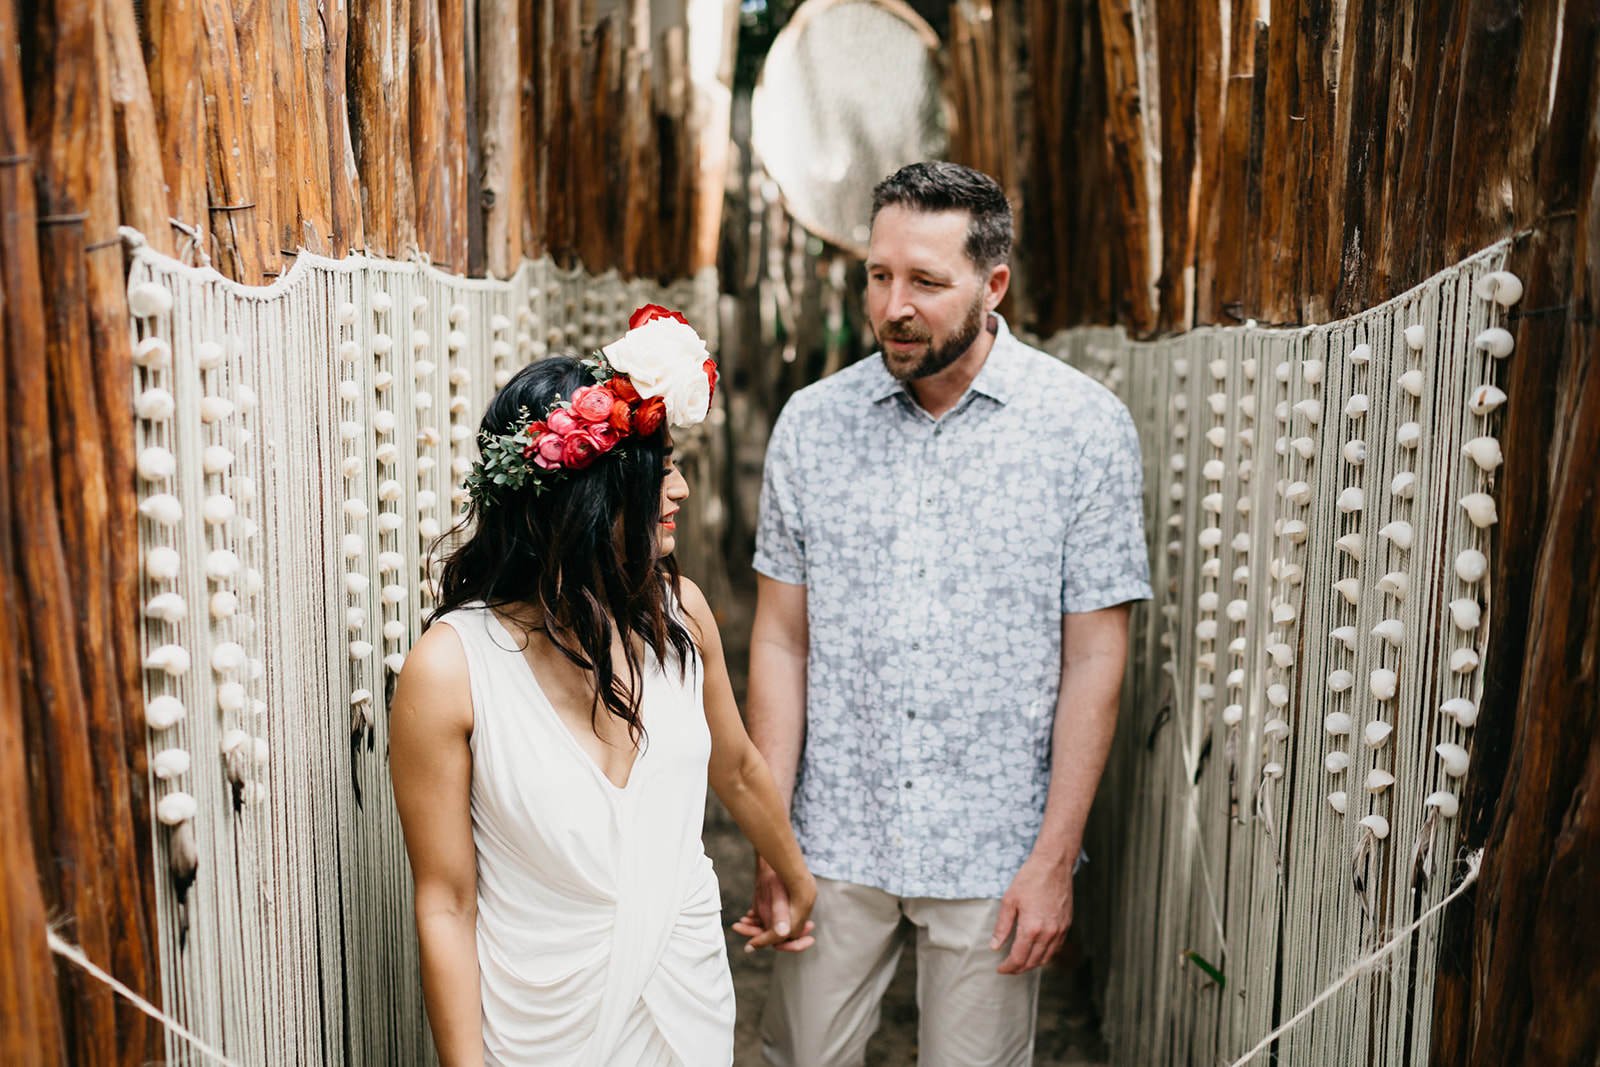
(849, 93)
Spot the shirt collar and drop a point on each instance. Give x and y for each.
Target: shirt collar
(995, 378)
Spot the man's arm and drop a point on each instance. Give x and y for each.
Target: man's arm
(775, 714)
(1094, 652)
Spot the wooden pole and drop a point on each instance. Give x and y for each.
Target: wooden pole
(348, 228)
(172, 54)
(230, 149)
(141, 187)
(430, 125)
(276, 203)
(1131, 206)
(32, 1034)
(499, 111)
(459, 116)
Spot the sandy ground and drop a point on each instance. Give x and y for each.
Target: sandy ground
(1068, 1035)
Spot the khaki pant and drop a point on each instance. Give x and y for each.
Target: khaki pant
(823, 1004)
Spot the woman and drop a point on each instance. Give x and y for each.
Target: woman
(550, 744)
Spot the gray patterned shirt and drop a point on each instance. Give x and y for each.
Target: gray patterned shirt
(938, 556)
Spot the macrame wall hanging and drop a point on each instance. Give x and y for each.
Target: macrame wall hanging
(300, 449)
(1301, 695)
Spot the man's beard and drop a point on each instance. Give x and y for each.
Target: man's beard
(937, 357)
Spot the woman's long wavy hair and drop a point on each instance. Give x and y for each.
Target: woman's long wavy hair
(582, 559)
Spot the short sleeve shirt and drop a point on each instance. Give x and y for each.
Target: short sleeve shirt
(938, 557)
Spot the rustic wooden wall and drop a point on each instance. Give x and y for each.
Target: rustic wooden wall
(238, 132)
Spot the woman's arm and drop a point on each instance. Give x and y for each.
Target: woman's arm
(745, 785)
(430, 722)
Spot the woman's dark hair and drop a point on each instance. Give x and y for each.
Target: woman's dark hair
(583, 555)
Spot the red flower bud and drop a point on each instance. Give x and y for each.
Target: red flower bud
(650, 312)
(622, 386)
(592, 403)
(648, 419)
(621, 416)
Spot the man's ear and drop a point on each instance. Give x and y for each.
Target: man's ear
(995, 288)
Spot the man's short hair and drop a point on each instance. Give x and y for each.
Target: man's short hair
(939, 186)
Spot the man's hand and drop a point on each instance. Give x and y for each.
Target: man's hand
(768, 920)
(1038, 904)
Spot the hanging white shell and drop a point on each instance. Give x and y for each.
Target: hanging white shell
(1480, 509)
(162, 509)
(1392, 631)
(1384, 682)
(1272, 770)
(1240, 542)
(1284, 615)
(382, 381)
(1235, 679)
(161, 564)
(426, 464)
(1415, 337)
(1336, 723)
(1218, 403)
(1360, 354)
(1398, 533)
(1298, 492)
(1471, 565)
(222, 564)
(1282, 654)
(1336, 801)
(153, 352)
(394, 630)
(1454, 758)
(224, 603)
(386, 453)
(1378, 780)
(1466, 613)
(1212, 471)
(1341, 680)
(393, 594)
(383, 421)
(360, 649)
(1377, 733)
(394, 661)
(1211, 568)
(1278, 695)
(227, 657)
(253, 582)
(1396, 584)
(458, 314)
(1336, 762)
(246, 398)
(1484, 451)
(1496, 340)
(356, 583)
(1355, 452)
(354, 618)
(163, 712)
(390, 521)
(1281, 371)
(1356, 406)
(389, 489)
(1311, 409)
(355, 508)
(455, 340)
(351, 466)
(1276, 729)
(1232, 714)
(1350, 589)
(1345, 635)
(1377, 824)
(169, 763)
(1206, 629)
(1351, 544)
(1485, 399)
(1404, 485)
(1463, 660)
(389, 562)
(168, 607)
(425, 499)
(1411, 382)
(176, 807)
(1296, 531)
(1462, 710)
(149, 298)
(155, 403)
(1237, 610)
(215, 459)
(1351, 499)
(218, 509)
(1311, 371)
(155, 463)
(1305, 446)
(1212, 502)
(215, 408)
(1501, 286)
(422, 368)
(172, 660)
(1446, 802)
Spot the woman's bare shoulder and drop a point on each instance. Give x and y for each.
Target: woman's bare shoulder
(434, 681)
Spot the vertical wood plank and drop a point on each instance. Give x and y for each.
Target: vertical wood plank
(1131, 202)
(430, 123)
(499, 111)
(371, 82)
(345, 202)
(172, 53)
(230, 149)
(253, 25)
(1178, 49)
(141, 187)
(459, 115)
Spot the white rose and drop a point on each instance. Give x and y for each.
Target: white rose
(687, 397)
(656, 355)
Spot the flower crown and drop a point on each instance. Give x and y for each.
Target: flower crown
(659, 371)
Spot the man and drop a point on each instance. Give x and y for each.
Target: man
(950, 534)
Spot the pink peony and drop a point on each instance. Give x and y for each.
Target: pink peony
(564, 422)
(592, 403)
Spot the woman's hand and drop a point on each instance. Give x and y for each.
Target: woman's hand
(780, 916)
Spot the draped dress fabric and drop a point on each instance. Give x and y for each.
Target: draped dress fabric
(599, 916)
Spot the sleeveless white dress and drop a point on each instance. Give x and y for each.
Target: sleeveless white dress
(600, 938)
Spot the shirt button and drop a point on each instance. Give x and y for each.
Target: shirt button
(916, 645)
(911, 714)
(922, 572)
(908, 783)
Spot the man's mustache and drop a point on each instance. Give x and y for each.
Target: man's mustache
(890, 332)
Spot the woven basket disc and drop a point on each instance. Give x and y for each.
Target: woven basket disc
(849, 93)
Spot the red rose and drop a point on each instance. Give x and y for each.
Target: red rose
(711, 376)
(564, 422)
(621, 416)
(592, 403)
(648, 419)
(622, 386)
(578, 450)
(650, 312)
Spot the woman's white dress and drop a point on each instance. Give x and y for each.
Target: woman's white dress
(600, 939)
